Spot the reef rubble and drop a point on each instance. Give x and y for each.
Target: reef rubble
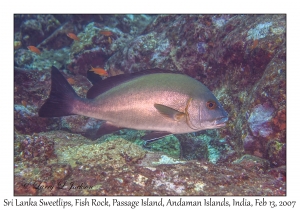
(241, 58)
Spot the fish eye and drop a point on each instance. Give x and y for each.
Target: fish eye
(211, 105)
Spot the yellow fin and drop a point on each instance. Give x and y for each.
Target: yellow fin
(169, 112)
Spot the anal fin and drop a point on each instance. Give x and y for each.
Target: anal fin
(105, 128)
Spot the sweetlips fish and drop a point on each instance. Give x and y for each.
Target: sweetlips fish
(157, 100)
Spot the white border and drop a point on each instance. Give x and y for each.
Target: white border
(153, 6)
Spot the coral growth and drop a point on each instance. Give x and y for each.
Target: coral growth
(118, 167)
(37, 147)
(241, 58)
(259, 120)
(114, 153)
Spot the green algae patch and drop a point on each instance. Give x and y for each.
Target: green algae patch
(168, 145)
(114, 153)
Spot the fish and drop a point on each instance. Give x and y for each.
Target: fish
(34, 49)
(73, 36)
(106, 33)
(109, 40)
(99, 71)
(71, 81)
(155, 100)
(24, 103)
(254, 45)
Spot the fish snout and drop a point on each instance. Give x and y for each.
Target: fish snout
(220, 122)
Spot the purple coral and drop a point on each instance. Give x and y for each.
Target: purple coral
(39, 147)
(248, 142)
(201, 47)
(259, 120)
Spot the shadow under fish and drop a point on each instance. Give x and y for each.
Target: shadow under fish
(160, 101)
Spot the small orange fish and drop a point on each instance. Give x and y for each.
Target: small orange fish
(106, 33)
(208, 23)
(71, 81)
(254, 45)
(73, 36)
(34, 49)
(211, 44)
(109, 40)
(99, 71)
(24, 103)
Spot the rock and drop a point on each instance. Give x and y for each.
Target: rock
(259, 120)
(240, 58)
(276, 153)
(37, 148)
(61, 172)
(250, 161)
(110, 153)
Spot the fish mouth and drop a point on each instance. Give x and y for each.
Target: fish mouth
(220, 122)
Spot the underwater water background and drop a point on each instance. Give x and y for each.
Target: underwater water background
(240, 58)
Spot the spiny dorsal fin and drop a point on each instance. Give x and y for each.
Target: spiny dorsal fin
(110, 82)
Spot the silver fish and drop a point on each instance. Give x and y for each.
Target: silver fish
(155, 100)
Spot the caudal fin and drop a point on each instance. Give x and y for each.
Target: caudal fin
(61, 98)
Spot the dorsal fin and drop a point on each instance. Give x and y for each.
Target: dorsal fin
(110, 82)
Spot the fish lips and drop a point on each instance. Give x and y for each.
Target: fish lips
(220, 122)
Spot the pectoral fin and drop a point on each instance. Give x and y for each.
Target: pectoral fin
(169, 112)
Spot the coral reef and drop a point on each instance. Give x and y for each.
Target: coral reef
(118, 167)
(241, 58)
(114, 153)
(94, 48)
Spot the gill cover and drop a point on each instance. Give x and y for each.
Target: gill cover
(176, 115)
(205, 113)
(211, 114)
(188, 116)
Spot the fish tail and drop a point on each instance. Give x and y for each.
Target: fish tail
(61, 98)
